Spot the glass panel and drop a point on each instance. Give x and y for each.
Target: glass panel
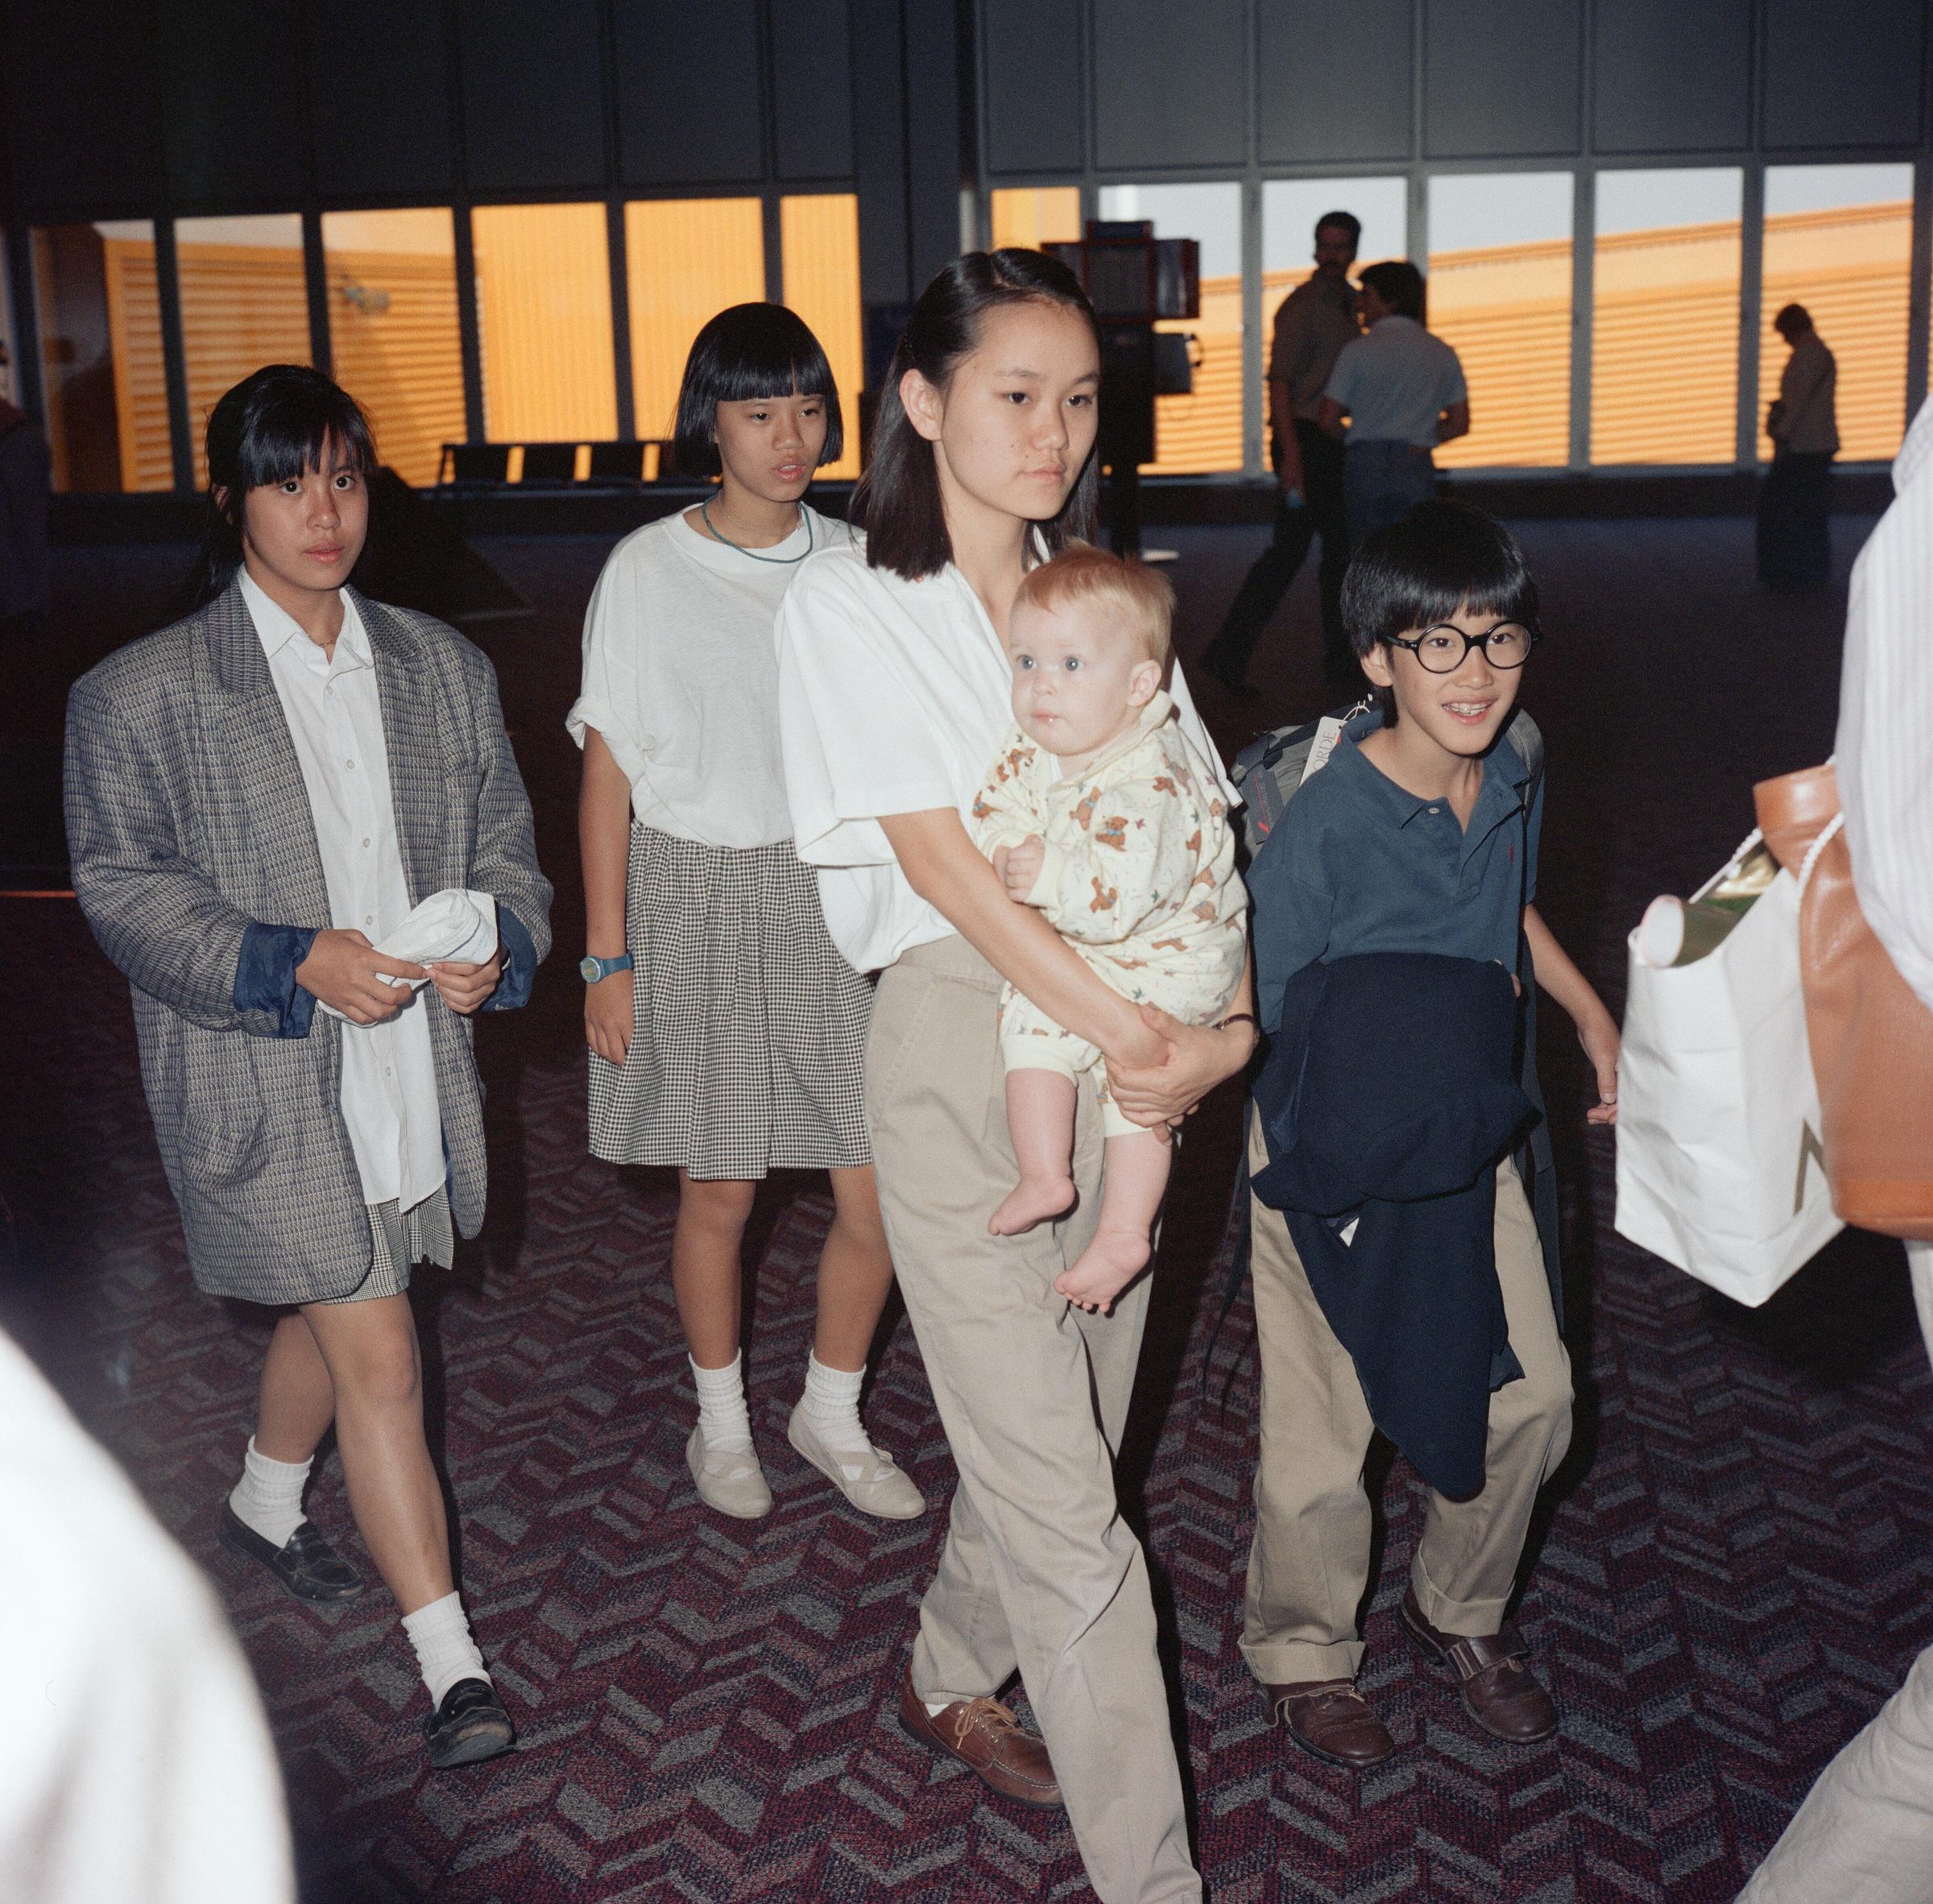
(1664, 325)
(1032, 216)
(99, 314)
(1203, 431)
(1500, 294)
(543, 323)
(1839, 240)
(687, 259)
(820, 236)
(244, 304)
(393, 334)
(1290, 208)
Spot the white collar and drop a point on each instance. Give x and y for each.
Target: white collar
(276, 628)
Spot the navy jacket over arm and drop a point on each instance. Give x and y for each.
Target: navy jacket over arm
(1387, 1096)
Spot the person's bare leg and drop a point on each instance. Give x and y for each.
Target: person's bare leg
(1136, 1177)
(705, 1268)
(855, 1271)
(1040, 1124)
(370, 1350)
(298, 1400)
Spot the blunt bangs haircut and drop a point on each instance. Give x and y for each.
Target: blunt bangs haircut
(896, 502)
(747, 352)
(1142, 596)
(1442, 559)
(275, 425)
(1398, 284)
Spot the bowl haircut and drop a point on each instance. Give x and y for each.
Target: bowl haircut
(1442, 559)
(749, 351)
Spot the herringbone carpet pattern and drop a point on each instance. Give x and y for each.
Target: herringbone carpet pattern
(1735, 1568)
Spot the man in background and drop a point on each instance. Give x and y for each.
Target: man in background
(1795, 499)
(1312, 325)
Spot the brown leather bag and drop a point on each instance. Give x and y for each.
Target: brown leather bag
(1872, 1038)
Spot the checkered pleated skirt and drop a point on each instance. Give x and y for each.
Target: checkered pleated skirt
(748, 1038)
(399, 1239)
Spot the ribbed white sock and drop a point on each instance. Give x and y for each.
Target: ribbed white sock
(722, 1412)
(446, 1653)
(267, 1500)
(832, 1401)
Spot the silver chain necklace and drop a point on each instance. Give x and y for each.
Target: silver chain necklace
(752, 554)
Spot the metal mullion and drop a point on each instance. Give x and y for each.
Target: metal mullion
(1920, 302)
(174, 354)
(30, 388)
(617, 246)
(315, 271)
(1751, 266)
(469, 330)
(1254, 458)
(1583, 267)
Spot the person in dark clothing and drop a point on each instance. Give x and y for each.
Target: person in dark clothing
(1795, 498)
(1419, 833)
(1311, 326)
(26, 467)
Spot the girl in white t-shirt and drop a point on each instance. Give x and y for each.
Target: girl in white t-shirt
(894, 691)
(727, 1033)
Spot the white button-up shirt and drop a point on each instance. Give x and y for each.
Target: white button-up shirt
(335, 718)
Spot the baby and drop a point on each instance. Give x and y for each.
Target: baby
(1098, 811)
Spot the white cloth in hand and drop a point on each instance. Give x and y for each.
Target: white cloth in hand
(454, 924)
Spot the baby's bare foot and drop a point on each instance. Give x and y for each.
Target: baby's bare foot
(1034, 1200)
(1106, 1266)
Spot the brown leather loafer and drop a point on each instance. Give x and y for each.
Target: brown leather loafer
(1330, 1720)
(1500, 1692)
(984, 1734)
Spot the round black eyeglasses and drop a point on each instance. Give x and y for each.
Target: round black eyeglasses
(1443, 649)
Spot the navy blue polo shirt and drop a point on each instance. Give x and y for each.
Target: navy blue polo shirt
(1357, 864)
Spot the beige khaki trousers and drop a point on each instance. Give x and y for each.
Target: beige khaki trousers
(1309, 1564)
(1039, 1571)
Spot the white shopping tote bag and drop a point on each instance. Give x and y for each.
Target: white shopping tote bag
(1719, 1165)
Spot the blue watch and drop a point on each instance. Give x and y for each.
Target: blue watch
(594, 968)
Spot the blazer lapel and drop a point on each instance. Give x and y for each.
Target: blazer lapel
(253, 732)
(409, 732)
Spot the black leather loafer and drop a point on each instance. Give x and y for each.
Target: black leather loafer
(306, 1563)
(471, 1724)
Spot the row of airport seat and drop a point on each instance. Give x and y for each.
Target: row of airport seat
(557, 465)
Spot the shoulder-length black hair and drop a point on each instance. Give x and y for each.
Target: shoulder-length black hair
(897, 500)
(274, 425)
(749, 351)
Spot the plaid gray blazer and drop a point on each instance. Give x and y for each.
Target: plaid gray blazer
(188, 819)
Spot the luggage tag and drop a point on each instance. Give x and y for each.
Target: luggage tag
(1328, 729)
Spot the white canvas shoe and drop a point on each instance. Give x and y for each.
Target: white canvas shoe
(729, 1479)
(869, 1481)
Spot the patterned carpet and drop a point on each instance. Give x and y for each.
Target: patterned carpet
(1735, 1565)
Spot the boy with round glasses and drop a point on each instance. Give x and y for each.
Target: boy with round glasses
(1418, 836)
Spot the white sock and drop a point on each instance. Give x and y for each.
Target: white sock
(267, 1500)
(832, 1402)
(721, 1404)
(446, 1653)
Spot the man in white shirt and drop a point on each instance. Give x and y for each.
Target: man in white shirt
(1864, 1833)
(1403, 392)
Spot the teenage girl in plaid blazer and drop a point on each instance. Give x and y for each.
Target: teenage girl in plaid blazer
(255, 797)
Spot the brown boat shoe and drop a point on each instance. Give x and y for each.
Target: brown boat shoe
(984, 1734)
(1330, 1720)
(1500, 1692)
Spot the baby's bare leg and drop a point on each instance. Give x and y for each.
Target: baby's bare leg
(1136, 1175)
(1040, 1122)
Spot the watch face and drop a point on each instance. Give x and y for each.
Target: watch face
(592, 971)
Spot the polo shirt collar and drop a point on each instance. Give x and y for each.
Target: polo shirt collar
(1500, 794)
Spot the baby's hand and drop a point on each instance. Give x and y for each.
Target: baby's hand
(1023, 867)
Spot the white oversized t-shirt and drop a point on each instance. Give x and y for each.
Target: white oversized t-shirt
(679, 677)
(892, 697)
